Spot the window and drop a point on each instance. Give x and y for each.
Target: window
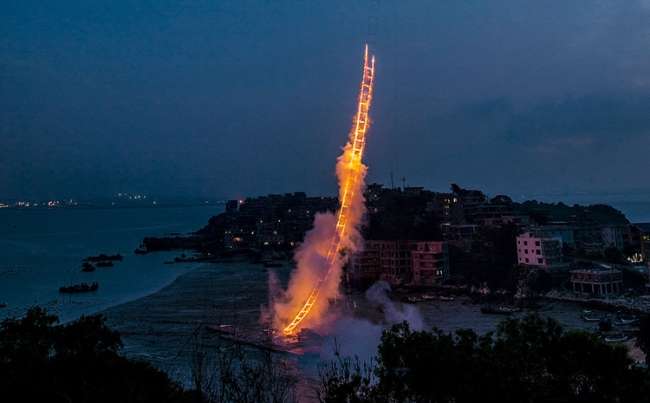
(526, 260)
(526, 251)
(525, 242)
(540, 260)
(538, 252)
(536, 243)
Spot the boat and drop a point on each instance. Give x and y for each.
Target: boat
(104, 263)
(499, 309)
(2, 305)
(87, 267)
(626, 320)
(616, 338)
(79, 288)
(590, 317)
(414, 299)
(140, 251)
(104, 258)
(444, 298)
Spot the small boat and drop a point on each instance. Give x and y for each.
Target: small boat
(444, 298)
(499, 309)
(79, 288)
(87, 267)
(414, 299)
(104, 263)
(272, 264)
(2, 305)
(626, 320)
(104, 257)
(616, 338)
(590, 317)
(140, 251)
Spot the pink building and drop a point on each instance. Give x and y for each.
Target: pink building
(535, 251)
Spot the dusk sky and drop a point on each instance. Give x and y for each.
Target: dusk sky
(247, 97)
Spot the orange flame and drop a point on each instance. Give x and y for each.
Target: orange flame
(321, 257)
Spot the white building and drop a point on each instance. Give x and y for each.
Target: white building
(534, 251)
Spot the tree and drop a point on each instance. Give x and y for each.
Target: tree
(526, 360)
(76, 362)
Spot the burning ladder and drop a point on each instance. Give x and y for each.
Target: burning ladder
(358, 141)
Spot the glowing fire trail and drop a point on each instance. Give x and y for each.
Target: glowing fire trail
(353, 174)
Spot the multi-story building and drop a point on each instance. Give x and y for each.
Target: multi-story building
(614, 235)
(556, 229)
(273, 220)
(544, 253)
(599, 280)
(644, 240)
(400, 262)
(430, 263)
(463, 236)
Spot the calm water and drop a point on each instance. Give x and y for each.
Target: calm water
(41, 250)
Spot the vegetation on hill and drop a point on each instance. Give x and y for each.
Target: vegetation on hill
(544, 213)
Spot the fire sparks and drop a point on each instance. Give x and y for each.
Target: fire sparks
(328, 244)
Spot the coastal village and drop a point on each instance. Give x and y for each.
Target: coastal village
(418, 240)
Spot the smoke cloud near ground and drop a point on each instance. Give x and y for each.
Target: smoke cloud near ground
(394, 313)
(352, 336)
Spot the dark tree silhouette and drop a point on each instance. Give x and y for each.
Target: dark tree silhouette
(76, 362)
(526, 360)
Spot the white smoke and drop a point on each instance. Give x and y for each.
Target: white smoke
(394, 313)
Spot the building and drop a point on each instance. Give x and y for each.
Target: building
(463, 236)
(272, 221)
(430, 263)
(556, 229)
(599, 280)
(614, 235)
(544, 253)
(644, 240)
(401, 262)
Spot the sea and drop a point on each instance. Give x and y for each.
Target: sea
(42, 250)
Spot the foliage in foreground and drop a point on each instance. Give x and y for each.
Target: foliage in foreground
(526, 360)
(80, 362)
(76, 362)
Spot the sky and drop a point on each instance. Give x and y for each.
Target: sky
(233, 98)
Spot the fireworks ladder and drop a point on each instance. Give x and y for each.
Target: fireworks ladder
(354, 168)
